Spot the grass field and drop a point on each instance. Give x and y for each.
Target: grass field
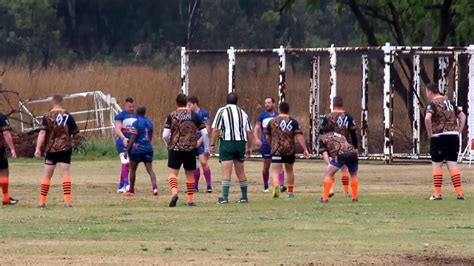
(393, 222)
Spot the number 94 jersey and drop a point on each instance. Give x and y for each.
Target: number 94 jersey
(59, 126)
(282, 131)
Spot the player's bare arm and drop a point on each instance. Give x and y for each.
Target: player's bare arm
(130, 145)
(9, 140)
(461, 121)
(118, 132)
(301, 142)
(326, 157)
(39, 143)
(215, 135)
(428, 125)
(256, 134)
(249, 143)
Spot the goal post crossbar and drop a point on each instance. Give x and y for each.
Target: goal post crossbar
(387, 53)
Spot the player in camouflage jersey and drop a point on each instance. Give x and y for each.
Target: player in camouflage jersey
(443, 121)
(6, 138)
(55, 136)
(345, 125)
(337, 152)
(281, 134)
(179, 135)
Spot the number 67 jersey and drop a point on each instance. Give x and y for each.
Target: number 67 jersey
(282, 131)
(59, 126)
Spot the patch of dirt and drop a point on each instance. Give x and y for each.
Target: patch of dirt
(435, 259)
(25, 143)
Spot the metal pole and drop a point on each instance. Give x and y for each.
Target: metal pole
(332, 77)
(456, 90)
(364, 104)
(184, 71)
(314, 105)
(443, 79)
(231, 70)
(416, 106)
(387, 103)
(282, 67)
(470, 99)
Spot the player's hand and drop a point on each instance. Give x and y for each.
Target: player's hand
(306, 154)
(199, 143)
(207, 154)
(248, 152)
(258, 143)
(125, 155)
(125, 142)
(212, 150)
(38, 154)
(13, 152)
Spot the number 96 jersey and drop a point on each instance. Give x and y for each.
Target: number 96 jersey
(282, 131)
(59, 126)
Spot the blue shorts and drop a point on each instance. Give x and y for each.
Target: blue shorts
(349, 159)
(146, 157)
(120, 148)
(200, 150)
(266, 151)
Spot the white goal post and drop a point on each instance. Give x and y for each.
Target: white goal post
(388, 52)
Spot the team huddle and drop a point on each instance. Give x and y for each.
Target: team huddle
(190, 137)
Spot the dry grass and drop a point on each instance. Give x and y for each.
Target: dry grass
(257, 77)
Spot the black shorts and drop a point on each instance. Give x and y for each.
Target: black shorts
(445, 147)
(3, 159)
(185, 158)
(52, 158)
(288, 159)
(350, 159)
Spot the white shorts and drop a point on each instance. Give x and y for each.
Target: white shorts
(122, 158)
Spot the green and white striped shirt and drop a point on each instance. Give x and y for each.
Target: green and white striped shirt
(233, 123)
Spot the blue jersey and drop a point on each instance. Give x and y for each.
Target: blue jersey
(263, 121)
(127, 121)
(143, 129)
(204, 115)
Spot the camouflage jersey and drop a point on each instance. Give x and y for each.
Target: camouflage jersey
(444, 116)
(334, 144)
(4, 126)
(183, 124)
(282, 131)
(343, 124)
(59, 126)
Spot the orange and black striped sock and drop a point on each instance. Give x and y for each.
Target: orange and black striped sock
(345, 181)
(333, 179)
(355, 187)
(173, 182)
(190, 189)
(327, 188)
(45, 183)
(4, 185)
(67, 189)
(456, 179)
(437, 181)
(291, 189)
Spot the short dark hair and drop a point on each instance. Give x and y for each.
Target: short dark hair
(181, 100)
(141, 110)
(193, 99)
(338, 102)
(433, 87)
(57, 99)
(232, 98)
(271, 98)
(129, 100)
(284, 107)
(328, 128)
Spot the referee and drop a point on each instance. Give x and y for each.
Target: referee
(231, 125)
